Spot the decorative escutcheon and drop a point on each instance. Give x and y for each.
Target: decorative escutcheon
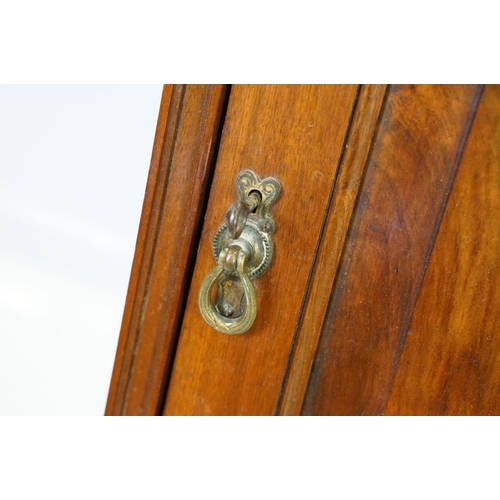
(243, 249)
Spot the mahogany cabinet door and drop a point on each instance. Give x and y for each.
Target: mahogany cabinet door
(382, 297)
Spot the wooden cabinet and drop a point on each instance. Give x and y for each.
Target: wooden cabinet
(383, 296)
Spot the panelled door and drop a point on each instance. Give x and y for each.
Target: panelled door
(383, 293)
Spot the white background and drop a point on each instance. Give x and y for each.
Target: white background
(73, 167)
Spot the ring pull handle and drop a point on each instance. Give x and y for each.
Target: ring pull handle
(222, 323)
(243, 249)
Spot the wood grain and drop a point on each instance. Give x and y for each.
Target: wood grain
(411, 169)
(338, 216)
(450, 364)
(180, 172)
(295, 133)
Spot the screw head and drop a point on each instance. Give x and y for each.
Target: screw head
(227, 310)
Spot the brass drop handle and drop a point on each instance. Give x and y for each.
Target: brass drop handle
(243, 249)
(223, 322)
